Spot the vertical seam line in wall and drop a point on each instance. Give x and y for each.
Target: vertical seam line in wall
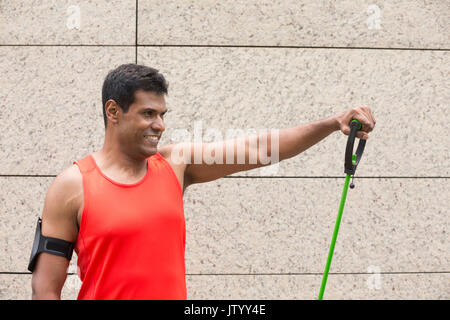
(136, 42)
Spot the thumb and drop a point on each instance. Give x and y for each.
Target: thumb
(345, 129)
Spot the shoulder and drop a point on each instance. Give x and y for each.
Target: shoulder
(173, 154)
(165, 151)
(67, 187)
(70, 178)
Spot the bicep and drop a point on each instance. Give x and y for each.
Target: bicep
(58, 222)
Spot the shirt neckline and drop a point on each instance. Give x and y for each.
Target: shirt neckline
(125, 185)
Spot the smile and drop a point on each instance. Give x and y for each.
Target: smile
(153, 139)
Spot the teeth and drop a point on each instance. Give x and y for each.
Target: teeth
(153, 138)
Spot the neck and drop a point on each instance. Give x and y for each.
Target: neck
(112, 157)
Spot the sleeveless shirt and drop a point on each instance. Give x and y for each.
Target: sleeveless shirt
(131, 242)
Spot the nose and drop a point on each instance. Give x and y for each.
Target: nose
(158, 125)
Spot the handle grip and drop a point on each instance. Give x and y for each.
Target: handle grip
(350, 167)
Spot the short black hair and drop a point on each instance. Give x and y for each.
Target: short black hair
(121, 83)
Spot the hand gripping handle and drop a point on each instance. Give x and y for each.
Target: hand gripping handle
(350, 167)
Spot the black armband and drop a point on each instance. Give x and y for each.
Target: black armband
(50, 245)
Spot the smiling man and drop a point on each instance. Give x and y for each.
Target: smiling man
(121, 207)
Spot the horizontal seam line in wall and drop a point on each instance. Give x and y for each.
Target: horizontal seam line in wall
(283, 274)
(313, 273)
(248, 177)
(329, 177)
(222, 46)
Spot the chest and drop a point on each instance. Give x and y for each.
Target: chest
(133, 213)
(80, 201)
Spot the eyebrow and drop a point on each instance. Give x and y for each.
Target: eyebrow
(154, 110)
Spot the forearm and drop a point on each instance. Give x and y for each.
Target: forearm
(295, 140)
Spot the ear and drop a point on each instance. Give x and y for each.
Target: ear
(112, 111)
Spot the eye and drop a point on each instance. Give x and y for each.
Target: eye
(164, 113)
(151, 113)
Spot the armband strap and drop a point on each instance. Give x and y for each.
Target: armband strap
(50, 245)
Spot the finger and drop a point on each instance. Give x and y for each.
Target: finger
(373, 118)
(363, 118)
(362, 135)
(370, 118)
(359, 134)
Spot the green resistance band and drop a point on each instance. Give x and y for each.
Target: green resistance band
(351, 162)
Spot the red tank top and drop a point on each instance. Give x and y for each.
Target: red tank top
(131, 241)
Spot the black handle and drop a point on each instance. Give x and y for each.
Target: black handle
(350, 168)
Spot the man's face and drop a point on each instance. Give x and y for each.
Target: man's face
(141, 127)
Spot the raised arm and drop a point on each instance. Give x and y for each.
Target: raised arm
(58, 221)
(205, 162)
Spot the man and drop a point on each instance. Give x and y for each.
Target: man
(122, 207)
